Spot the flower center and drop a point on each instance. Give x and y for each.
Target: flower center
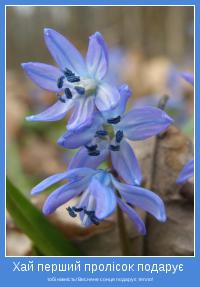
(70, 83)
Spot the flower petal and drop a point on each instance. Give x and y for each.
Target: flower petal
(143, 198)
(54, 113)
(125, 93)
(87, 202)
(64, 52)
(187, 172)
(142, 123)
(82, 115)
(78, 137)
(105, 199)
(126, 164)
(189, 77)
(62, 195)
(48, 182)
(45, 76)
(107, 97)
(139, 223)
(82, 159)
(97, 56)
(70, 174)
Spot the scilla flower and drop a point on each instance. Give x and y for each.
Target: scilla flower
(187, 172)
(100, 193)
(79, 83)
(109, 135)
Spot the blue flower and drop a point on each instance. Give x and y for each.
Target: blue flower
(188, 170)
(100, 193)
(109, 137)
(79, 83)
(186, 173)
(189, 77)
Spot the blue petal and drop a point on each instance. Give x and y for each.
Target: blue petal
(48, 182)
(187, 172)
(143, 198)
(97, 56)
(78, 137)
(70, 174)
(62, 195)
(189, 77)
(133, 216)
(82, 159)
(64, 52)
(126, 164)
(45, 76)
(54, 113)
(82, 115)
(105, 199)
(107, 97)
(87, 201)
(125, 93)
(142, 123)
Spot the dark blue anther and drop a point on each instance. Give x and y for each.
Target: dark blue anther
(91, 147)
(61, 99)
(71, 212)
(114, 120)
(91, 215)
(68, 93)
(94, 153)
(77, 209)
(73, 79)
(119, 136)
(80, 90)
(60, 82)
(94, 220)
(68, 72)
(101, 133)
(114, 147)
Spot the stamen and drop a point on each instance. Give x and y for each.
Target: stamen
(91, 215)
(114, 120)
(60, 82)
(92, 147)
(68, 93)
(77, 209)
(71, 212)
(68, 72)
(119, 136)
(95, 220)
(80, 90)
(114, 147)
(94, 153)
(101, 133)
(60, 98)
(73, 79)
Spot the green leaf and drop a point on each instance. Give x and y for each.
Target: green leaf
(45, 236)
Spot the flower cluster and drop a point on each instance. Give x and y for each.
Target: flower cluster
(102, 130)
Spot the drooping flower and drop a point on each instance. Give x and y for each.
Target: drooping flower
(100, 194)
(187, 172)
(79, 83)
(109, 135)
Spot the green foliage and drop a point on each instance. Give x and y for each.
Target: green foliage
(46, 237)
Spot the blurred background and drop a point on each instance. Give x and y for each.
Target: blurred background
(149, 48)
